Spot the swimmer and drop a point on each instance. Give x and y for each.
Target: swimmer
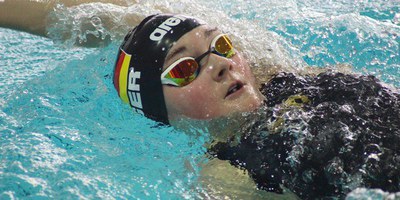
(320, 135)
(192, 65)
(313, 133)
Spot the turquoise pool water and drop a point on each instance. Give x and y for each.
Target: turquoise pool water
(65, 134)
(364, 34)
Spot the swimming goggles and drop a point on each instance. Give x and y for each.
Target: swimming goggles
(186, 69)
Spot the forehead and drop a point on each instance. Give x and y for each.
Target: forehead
(194, 37)
(201, 32)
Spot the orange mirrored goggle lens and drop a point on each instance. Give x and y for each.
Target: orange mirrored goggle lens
(223, 45)
(184, 72)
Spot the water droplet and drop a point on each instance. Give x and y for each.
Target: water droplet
(375, 61)
(396, 18)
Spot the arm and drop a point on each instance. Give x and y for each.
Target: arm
(30, 16)
(222, 180)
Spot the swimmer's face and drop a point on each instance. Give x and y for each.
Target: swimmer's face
(223, 86)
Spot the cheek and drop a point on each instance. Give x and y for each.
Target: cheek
(200, 101)
(239, 61)
(193, 101)
(243, 67)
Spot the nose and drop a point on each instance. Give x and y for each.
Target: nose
(220, 67)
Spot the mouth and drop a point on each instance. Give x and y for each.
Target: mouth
(234, 88)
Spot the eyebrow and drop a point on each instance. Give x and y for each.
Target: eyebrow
(175, 52)
(208, 32)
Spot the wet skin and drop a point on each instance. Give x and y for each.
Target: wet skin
(223, 86)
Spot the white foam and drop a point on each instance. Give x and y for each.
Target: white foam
(73, 25)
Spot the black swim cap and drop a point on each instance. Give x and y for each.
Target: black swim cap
(140, 62)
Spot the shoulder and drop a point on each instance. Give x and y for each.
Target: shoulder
(324, 86)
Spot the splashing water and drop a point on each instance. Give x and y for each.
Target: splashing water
(65, 134)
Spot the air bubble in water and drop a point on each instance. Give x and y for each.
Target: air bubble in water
(96, 21)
